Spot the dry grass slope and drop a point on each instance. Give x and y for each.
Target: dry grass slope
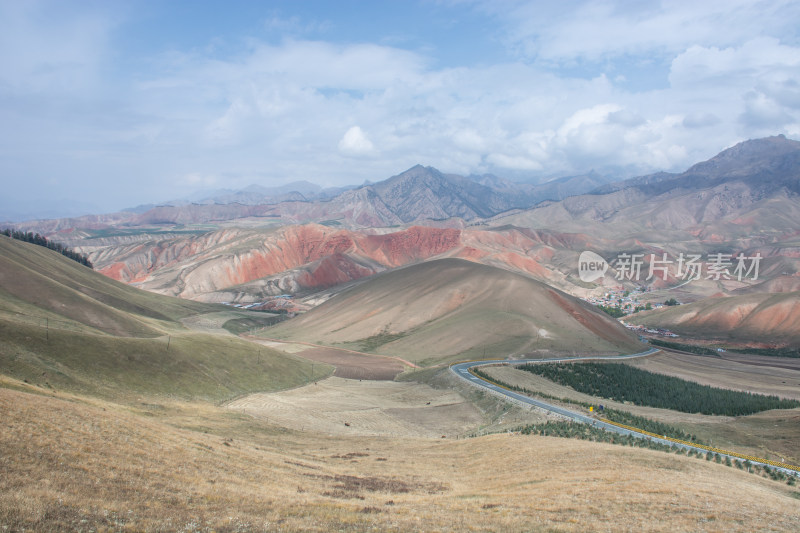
(37, 281)
(68, 464)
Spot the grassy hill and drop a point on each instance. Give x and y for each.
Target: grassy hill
(452, 308)
(66, 327)
(34, 280)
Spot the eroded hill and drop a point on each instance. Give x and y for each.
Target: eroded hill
(238, 265)
(452, 308)
(769, 319)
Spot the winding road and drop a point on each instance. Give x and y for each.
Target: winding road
(463, 371)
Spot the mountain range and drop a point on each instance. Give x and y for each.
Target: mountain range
(744, 200)
(416, 195)
(736, 178)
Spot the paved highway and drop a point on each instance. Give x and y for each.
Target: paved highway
(462, 370)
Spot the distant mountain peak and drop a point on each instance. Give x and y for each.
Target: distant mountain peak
(418, 170)
(768, 164)
(747, 154)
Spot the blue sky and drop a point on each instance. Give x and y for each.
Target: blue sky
(106, 105)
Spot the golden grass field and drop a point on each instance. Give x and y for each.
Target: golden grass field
(71, 463)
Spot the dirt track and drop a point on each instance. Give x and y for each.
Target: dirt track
(355, 366)
(349, 363)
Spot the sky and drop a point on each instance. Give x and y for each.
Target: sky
(109, 105)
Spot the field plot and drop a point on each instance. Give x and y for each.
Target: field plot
(750, 373)
(215, 322)
(337, 406)
(532, 382)
(771, 434)
(281, 346)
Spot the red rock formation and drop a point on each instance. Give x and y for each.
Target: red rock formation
(316, 256)
(415, 243)
(331, 271)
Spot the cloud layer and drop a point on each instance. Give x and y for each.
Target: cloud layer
(598, 85)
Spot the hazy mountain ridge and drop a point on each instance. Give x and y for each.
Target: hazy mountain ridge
(765, 164)
(418, 194)
(254, 194)
(727, 186)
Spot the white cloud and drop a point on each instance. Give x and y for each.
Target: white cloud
(469, 139)
(597, 29)
(361, 67)
(295, 99)
(583, 118)
(513, 162)
(199, 180)
(355, 142)
(762, 60)
(341, 113)
(227, 128)
(756, 83)
(700, 119)
(762, 112)
(41, 50)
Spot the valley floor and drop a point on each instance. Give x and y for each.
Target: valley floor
(347, 407)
